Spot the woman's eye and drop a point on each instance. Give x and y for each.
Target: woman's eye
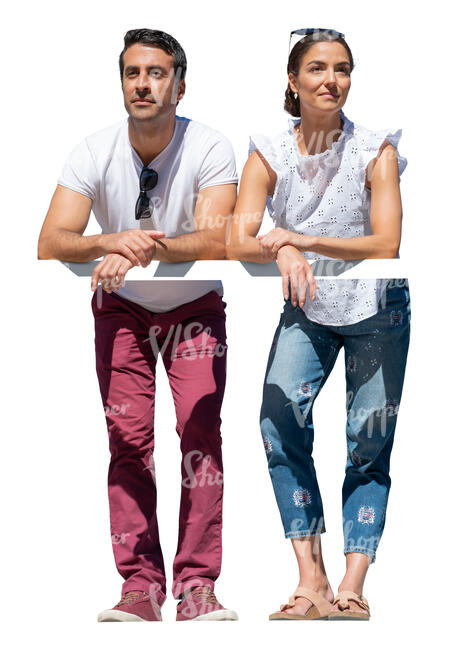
(314, 69)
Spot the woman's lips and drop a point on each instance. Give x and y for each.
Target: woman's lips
(329, 95)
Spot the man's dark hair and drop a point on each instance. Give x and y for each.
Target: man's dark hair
(159, 39)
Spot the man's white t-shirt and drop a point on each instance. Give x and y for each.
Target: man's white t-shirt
(106, 168)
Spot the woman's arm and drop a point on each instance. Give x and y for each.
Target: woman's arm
(385, 219)
(258, 180)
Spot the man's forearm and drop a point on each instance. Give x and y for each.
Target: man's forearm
(61, 244)
(199, 245)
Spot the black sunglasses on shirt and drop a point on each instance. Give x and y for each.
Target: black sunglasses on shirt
(147, 181)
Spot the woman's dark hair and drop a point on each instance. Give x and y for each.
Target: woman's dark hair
(292, 105)
(158, 39)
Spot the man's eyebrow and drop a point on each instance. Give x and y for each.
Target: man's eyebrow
(149, 67)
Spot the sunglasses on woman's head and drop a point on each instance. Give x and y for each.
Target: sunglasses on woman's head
(309, 31)
(147, 181)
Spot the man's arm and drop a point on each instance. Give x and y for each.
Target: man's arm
(61, 234)
(62, 238)
(213, 208)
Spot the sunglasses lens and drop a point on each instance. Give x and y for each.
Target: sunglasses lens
(148, 179)
(143, 208)
(314, 32)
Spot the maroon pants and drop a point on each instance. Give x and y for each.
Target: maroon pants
(192, 343)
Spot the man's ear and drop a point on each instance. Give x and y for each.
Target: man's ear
(181, 89)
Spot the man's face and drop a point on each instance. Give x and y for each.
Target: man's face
(149, 82)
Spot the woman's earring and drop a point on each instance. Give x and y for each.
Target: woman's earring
(296, 95)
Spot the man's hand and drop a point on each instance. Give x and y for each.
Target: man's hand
(295, 271)
(279, 237)
(138, 246)
(110, 272)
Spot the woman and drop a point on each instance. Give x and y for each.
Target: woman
(332, 189)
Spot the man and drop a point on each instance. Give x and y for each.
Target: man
(183, 176)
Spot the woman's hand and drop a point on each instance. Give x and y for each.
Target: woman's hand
(279, 237)
(295, 271)
(110, 272)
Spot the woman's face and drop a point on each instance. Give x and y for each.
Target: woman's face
(323, 79)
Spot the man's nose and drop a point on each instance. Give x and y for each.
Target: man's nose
(142, 83)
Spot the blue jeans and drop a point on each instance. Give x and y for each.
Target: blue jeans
(301, 357)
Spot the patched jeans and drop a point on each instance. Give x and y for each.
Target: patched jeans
(300, 360)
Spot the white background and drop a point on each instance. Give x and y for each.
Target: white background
(60, 82)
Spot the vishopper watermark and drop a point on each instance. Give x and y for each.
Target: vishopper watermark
(151, 468)
(372, 420)
(157, 598)
(366, 517)
(193, 601)
(391, 284)
(192, 201)
(200, 470)
(173, 79)
(182, 339)
(298, 527)
(119, 538)
(116, 409)
(375, 420)
(333, 150)
(206, 475)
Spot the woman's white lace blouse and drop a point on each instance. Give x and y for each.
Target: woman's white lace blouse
(324, 195)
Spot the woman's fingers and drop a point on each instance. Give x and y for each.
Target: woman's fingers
(294, 285)
(312, 283)
(285, 285)
(302, 287)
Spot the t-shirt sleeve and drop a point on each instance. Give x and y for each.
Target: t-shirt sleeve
(80, 172)
(219, 166)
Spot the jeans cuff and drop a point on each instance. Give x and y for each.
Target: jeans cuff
(304, 533)
(361, 549)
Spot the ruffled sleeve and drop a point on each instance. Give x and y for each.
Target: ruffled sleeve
(275, 203)
(370, 143)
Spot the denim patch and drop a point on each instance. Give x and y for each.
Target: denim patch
(391, 407)
(356, 458)
(267, 444)
(301, 498)
(305, 389)
(352, 363)
(396, 317)
(366, 515)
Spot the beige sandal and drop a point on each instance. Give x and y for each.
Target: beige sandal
(345, 612)
(319, 610)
